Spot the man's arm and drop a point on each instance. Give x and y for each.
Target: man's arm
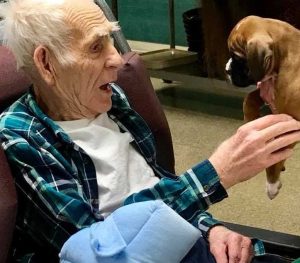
(256, 146)
(54, 196)
(141, 232)
(190, 195)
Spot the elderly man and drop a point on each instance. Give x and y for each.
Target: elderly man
(70, 139)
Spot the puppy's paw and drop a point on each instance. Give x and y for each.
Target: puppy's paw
(273, 189)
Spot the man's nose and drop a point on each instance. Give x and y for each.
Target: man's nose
(114, 59)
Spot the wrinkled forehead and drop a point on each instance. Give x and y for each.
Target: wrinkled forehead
(86, 18)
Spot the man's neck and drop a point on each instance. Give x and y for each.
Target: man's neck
(58, 107)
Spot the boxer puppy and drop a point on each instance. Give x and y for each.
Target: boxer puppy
(266, 52)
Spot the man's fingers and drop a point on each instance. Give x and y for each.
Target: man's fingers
(220, 253)
(247, 253)
(267, 121)
(234, 249)
(281, 155)
(280, 128)
(239, 249)
(283, 141)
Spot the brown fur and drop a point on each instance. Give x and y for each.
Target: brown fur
(257, 39)
(219, 17)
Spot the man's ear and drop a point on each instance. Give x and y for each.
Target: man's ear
(260, 56)
(42, 61)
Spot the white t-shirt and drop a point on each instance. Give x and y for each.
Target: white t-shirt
(120, 169)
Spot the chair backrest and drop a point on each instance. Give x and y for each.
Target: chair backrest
(133, 78)
(135, 81)
(12, 85)
(12, 82)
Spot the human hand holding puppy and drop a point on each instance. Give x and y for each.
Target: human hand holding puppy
(264, 52)
(255, 146)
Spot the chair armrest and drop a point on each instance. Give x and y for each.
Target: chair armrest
(285, 245)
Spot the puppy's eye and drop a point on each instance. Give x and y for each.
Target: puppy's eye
(237, 57)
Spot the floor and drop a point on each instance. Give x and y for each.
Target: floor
(199, 123)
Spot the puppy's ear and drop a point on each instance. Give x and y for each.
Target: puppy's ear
(260, 56)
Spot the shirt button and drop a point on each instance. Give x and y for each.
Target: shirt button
(206, 188)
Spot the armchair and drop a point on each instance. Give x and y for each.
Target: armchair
(133, 78)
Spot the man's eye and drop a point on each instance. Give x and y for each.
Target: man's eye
(96, 47)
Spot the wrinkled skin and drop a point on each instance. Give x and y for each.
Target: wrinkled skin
(73, 92)
(228, 246)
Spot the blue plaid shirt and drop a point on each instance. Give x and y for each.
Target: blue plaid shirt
(56, 179)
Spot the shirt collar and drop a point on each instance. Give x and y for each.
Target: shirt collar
(31, 103)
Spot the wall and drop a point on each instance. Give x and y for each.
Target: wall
(148, 20)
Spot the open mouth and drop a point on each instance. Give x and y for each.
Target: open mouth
(105, 87)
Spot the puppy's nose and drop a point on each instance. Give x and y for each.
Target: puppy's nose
(228, 66)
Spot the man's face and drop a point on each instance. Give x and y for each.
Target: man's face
(84, 84)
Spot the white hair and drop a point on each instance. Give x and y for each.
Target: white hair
(29, 23)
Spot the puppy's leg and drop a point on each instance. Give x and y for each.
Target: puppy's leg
(273, 177)
(273, 184)
(251, 106)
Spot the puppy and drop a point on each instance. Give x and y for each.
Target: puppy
(266, 52)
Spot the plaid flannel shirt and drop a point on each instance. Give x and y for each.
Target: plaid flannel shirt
(56, 179)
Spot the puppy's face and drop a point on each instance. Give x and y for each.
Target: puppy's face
(238, 72)
(251, 49)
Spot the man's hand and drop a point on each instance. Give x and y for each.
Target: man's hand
(255, 146)
(229, 247)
